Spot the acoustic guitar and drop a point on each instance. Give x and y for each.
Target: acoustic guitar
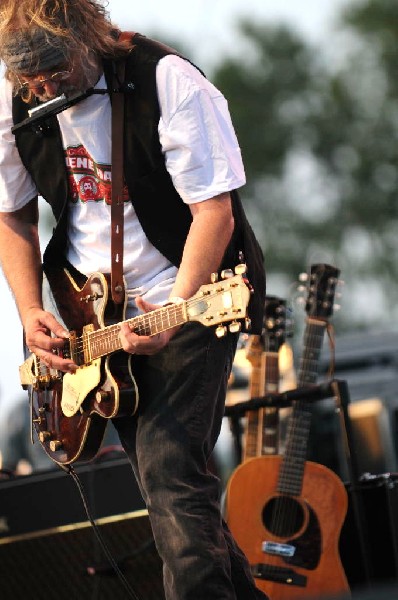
(70, 410)
(289, 529)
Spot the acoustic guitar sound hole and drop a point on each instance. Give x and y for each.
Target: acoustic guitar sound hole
(283, 516)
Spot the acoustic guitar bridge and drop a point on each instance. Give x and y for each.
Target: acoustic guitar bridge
(278, 574)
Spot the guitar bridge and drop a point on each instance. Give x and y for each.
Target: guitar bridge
(278, 574)
(33, 373)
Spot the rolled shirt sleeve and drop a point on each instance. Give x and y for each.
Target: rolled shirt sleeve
(201, 149)
(197, 137)
(16, 185)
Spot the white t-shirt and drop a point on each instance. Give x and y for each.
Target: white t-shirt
(201, 152)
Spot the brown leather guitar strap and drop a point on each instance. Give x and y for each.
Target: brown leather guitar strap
(117, 206)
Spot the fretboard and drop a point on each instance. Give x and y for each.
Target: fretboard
(270, 416)
(256, 389)
(261, 425)
(292, 468)
(95, 344)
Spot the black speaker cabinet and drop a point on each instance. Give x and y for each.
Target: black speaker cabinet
(48, 547)
(50, 499)
(369, 538)
(68, 563)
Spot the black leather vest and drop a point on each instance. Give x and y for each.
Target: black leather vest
(164, 217)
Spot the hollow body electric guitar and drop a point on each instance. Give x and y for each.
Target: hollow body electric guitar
(290, 528)
(70, 411)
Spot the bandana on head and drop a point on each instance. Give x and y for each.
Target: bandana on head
(31, 51)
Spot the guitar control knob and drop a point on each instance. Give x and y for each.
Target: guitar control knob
(55, 445)
(44, 436)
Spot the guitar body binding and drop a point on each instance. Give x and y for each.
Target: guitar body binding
(70, 411)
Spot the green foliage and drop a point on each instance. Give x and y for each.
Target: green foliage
(321, 153)
(265, 93)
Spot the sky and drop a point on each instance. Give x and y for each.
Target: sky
(208, 27)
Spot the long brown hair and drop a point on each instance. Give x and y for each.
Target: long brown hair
(82, 26)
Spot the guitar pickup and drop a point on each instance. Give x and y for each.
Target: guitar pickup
(278, 574)
(78, 346)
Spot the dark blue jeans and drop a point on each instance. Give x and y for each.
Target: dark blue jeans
(169, 442)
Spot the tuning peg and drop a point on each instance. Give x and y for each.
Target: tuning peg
(221, 331)
(248, 323)
(234, 327)
(227, 273)
(214, 277)
(303, 277)
(240, 269)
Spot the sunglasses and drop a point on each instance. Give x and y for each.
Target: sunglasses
(38, 84)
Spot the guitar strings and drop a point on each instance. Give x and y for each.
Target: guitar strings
(299, 423)
(108, 339)
(146, 321)
(111, 333)
(293, 463)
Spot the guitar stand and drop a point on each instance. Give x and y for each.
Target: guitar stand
(277, 400)
(338, 390)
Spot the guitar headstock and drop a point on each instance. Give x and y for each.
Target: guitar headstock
(220, 302)
(321, 285)
(274, 323)
(274, 330)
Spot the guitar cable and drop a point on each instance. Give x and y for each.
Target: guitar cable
(131, 593)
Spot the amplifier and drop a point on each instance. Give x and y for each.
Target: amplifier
(48, 547)
(68, 562)
(51, 499)
(369, 538)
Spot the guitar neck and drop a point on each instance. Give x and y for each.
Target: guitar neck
(270, 416)
(222, 302)
(261, 425)
(292, 468)
(251, 445)
(313, 342)
(99, 343)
